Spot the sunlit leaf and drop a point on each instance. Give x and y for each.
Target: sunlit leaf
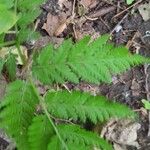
(7, 19)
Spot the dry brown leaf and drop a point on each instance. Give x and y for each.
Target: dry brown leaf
(55, 25)
(88, 3)
(122, 132)
(60, 29)
(144, 10)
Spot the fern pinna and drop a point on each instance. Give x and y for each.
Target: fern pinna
(92, 62)
(89, 61)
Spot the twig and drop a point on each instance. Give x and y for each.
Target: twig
(105, 23)
(119, 23)
(59, 119)
(117, 15)
(65, 86)
(73, 8)
(130, 42)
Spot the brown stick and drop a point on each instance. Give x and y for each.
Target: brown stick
(101, 12)
(117, 15)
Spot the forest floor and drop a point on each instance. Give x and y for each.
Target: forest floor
(128, 25)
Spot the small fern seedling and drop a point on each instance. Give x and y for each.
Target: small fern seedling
(92, 62)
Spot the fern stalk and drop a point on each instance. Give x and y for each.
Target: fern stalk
(47, 113)
(23, 59)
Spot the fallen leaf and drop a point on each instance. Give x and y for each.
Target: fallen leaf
(55, 25)
(122, 132)
(60, 29)
(144, 10)
(88, 3)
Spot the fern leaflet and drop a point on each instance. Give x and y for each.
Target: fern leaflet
(90, 61)
(19, 102)
(39, 133)
(83, 106)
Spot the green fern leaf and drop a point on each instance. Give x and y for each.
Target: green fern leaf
(77, 138)
(93, 62)
(39, 133)
(11, 66)
(42, 136)
(24, 4)
(7, 18)
(83, 106)
(28, 14)
(17, 110)
(56, 145)
(27, 35)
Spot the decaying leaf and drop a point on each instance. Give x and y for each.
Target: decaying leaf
(122, 132)
(55, 25)
(88, 3)
(144, 10)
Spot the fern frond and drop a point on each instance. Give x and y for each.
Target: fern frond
(39, 133)
(17, 110)
(83, 106)
(94, 62)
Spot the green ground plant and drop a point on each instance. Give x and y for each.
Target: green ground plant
(54, 120)
(93, 62)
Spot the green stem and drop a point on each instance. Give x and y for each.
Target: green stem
(23, 59)
(47, 113)
(8, 43)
